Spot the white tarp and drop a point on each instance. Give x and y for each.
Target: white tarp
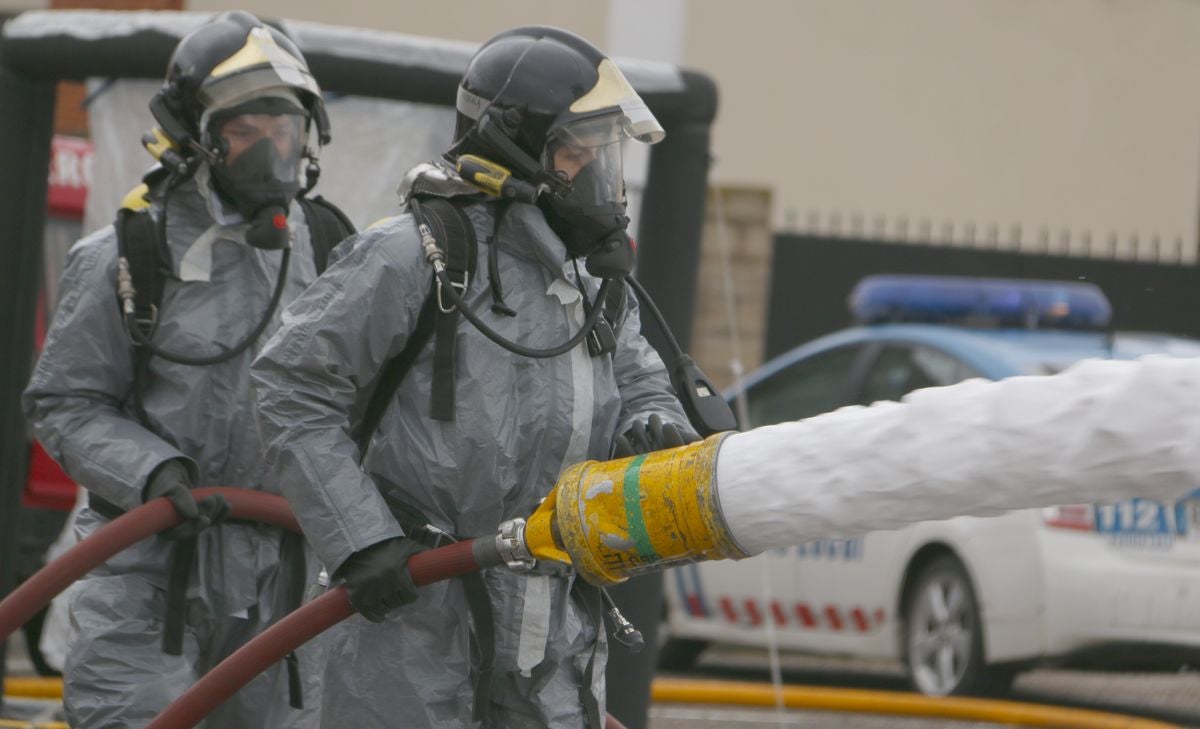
(374, 143)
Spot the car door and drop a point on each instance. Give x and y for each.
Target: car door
(845, 588)
(728, 597)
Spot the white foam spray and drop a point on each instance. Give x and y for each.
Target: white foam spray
(1100, 431)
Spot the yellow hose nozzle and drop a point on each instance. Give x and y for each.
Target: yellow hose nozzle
(618, 519)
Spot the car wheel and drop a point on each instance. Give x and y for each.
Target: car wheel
(943, 634)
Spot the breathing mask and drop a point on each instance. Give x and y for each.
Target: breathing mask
(588, 213)
(257, 150)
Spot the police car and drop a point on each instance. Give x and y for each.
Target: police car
(966, 603)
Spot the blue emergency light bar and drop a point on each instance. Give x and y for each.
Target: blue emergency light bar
(993, 302)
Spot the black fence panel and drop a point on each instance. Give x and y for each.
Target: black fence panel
(812, 277)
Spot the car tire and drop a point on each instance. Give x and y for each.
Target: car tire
(942, 635)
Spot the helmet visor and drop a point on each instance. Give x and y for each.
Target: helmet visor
(276, 116)
(587, 153)
(267, 146)
(613, 92)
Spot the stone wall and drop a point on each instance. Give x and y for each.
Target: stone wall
(745, 213)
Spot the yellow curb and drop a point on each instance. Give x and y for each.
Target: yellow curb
(33, 687)
(860, 701)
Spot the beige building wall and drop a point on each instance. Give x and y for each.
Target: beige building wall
(16, 6)
(735, 269)
(1021, 120)
(1030, 123)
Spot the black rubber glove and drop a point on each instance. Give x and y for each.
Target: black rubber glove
(652, 435)
(377, 577)
(171, 480)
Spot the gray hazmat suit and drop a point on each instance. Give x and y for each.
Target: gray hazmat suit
(117, 675)
(519, 422)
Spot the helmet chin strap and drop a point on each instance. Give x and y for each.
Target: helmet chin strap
(312, 171)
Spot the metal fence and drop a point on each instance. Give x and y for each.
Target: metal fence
(1043, 240)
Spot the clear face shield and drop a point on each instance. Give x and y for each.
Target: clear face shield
(587, 154)
(260, 147)
(283, 132)
(584, 148)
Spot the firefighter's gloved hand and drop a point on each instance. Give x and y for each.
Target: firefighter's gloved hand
(652, 435)
(377, 577)
(172, 480)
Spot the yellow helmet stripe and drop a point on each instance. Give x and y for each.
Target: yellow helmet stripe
(610, 90)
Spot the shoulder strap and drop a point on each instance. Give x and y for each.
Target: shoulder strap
(391, 377)
(456, 235)
(138, 247)
(137, 244)
(327, 226)
(452, 229)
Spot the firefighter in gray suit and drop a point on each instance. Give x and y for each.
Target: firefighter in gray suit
(480, 436)
(151, 400)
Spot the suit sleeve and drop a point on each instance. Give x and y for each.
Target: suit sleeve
(75, 399)
(334, 340)
(641, 375)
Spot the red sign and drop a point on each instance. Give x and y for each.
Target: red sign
(70, 176)
(47, 487)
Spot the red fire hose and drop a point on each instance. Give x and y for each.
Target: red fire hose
(270, 646)
(121, 533)
(297, 628)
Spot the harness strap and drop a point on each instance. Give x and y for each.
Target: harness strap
(179, 571)
(498, 304)
(138, 245)
(393, 373)
(590, 597)
(327, 226)
(479, 605)
(483, 623)
(141, 244)
(103, 507)
(295, 686)
(455, 233)
(445, 339)
(291, 554)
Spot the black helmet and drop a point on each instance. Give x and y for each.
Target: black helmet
(239, 96)
(231, 58)
(530, 81)
(531, 92)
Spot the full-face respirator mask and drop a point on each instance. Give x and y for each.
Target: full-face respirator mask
(588, 213)
(257, 149)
